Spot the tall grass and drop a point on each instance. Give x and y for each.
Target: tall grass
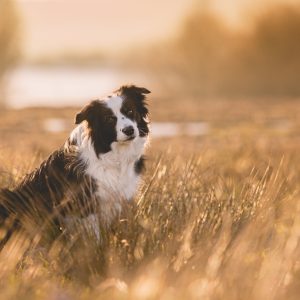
(222, 224)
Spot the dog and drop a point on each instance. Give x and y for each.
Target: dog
(91, 177)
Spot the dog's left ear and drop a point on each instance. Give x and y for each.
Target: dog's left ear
(141, 90)
(133, 91)
(137, 94)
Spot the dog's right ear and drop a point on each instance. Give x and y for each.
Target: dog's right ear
(80, 117)
(84, 114)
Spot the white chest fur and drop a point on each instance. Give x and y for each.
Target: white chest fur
(113, 172)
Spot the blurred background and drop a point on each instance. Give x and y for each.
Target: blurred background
(208, 63)
(65, 52)
(220, 203)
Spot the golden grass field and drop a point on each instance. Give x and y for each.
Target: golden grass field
(218, 216)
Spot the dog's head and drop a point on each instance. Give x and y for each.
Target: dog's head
(121, 118)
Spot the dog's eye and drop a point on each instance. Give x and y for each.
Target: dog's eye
(130, 113)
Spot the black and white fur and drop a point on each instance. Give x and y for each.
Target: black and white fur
(93, 174)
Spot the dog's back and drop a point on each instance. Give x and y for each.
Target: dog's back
(41, 194)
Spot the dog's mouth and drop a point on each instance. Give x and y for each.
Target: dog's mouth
(128, 139)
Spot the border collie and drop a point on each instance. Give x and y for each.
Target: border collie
(92, 175)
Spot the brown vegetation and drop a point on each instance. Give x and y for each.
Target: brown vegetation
(217, 216)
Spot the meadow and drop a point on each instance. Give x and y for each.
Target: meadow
(217, 216)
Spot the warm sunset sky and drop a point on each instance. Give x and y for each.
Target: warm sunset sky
(53, 27)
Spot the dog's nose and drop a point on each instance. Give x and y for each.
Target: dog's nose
(129, 130)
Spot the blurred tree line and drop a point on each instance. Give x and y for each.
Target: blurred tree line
(9, 42)
(209, 59)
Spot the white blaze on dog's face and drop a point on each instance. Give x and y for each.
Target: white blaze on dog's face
(119, 118)
(126, 128)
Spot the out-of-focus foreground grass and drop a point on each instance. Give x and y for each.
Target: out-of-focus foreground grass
(218, 216)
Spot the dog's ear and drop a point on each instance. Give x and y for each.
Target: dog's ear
(85, 114)
(137, 94)
(141, 90)
(133, 91)
(79, 118)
